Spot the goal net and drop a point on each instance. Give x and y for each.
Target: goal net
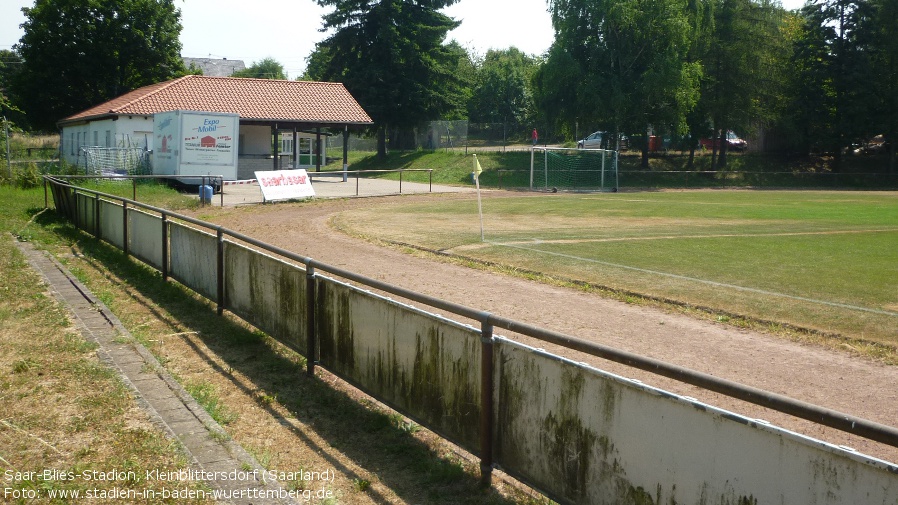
(116, 160)
(554, 169)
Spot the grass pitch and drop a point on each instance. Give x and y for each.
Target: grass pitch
(825, 261)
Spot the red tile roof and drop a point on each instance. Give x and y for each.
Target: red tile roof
(253, 99)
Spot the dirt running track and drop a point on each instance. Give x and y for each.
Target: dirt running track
(831, 379)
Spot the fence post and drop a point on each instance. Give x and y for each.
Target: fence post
(311, 340)
(164, 247)
(97, 216)
(220, 271)
(46, 201)
(486, 401)
(125, 227)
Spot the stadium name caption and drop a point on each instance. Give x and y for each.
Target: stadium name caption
(63, 475)
(182, 475)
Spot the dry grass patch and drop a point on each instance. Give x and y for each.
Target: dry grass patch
(63, 410)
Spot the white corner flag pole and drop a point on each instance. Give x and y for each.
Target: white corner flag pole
(477, 171)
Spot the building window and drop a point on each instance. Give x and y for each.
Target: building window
(286, 146)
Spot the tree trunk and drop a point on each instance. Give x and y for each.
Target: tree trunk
(382, 142)
(722, 160)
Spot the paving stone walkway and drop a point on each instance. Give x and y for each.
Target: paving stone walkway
(226, 466)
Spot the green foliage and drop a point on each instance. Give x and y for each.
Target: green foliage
(269, 68)
(502, 87)
(28, 177)
(390, 55)
(743, 55)
(79, 54)
(631, 57)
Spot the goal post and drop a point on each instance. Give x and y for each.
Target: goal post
(557, 168)
(115, 160)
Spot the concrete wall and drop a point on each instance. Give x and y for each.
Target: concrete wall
(267, 292)
(587, 436)
(111, 223)
(145, 237)
(425, 366)
(193, 259)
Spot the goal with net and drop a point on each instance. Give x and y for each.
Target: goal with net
(555, 168)
(116, 160)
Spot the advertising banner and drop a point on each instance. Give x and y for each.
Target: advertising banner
(209, 139)
(285, 184)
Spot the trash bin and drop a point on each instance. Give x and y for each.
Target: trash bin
(206, 194)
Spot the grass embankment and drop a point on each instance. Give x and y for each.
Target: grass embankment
(70, 412)
(511, 169)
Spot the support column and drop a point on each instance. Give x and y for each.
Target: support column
(295, 148)
(345, 152)
(317, 149)
(275, 148)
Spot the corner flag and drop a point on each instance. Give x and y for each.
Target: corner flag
(477, 172)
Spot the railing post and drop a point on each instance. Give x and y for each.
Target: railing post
(430, 176)
(134, 188)
(165, 247)
(220, 272)
(125, 227)
(97, 216)
(46, 201)
(400, 182)
(311, 337)
(486, 403)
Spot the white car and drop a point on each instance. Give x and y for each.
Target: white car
(593, 141)
(602, 140)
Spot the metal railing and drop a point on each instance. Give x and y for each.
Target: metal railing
(358, 175)
(203, 180)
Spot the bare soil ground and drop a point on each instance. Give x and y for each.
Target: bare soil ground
(831, 378)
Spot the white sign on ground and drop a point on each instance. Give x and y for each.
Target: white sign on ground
(285, 184)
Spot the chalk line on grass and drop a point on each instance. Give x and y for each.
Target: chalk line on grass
(702, 281)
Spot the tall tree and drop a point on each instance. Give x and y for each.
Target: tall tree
(80, 53)
(742, 66)
(555, 85)
(269, 68)
(10, 66)
(632, 56)
(883, 32)
(502, 87)
(390, 55)
(837, 66)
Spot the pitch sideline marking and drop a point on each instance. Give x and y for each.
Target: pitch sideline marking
(705, 281)
(721, 235)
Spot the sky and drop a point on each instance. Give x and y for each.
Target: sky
(287, 30)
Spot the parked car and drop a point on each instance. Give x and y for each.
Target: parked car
(602, 140)
(876, 145)
(734, 143)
